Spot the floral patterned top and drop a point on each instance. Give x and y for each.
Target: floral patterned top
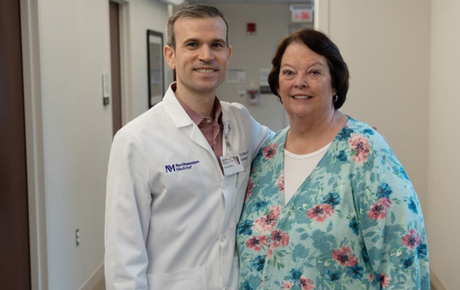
(354, 223)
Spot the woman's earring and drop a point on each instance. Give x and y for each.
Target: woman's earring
(336, 97)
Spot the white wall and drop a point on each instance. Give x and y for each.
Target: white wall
(444, 156)
(386, 45)
(253, 52)
(404, 74)
(77, 128)
(143, 14)
(74, 45)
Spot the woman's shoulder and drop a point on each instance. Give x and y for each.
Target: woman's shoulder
(361, 128)
(360, 136)
(278, 137)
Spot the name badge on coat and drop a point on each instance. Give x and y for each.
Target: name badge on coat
(231, 165)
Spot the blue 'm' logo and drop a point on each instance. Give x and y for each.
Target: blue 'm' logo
(170, 168)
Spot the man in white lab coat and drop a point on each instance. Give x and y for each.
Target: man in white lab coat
(174, 189)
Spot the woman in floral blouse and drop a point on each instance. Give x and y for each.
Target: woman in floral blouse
(328, 205)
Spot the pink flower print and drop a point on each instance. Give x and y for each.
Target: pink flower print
(411, 239)
(379, 209)
(306, 284)
(371, 277)
(280, 182)
(287, 285)
(344, 257)
(275, 210)
(320, 212)
(265, 223)
(384, 280)
(249, 190)
(256, 243)
(270, 252)
(270, 151)
(279, 239)
(360, 145)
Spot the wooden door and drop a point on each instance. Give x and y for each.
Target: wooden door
(115, 64)
(14, 226)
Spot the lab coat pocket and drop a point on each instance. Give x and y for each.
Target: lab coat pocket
(190, 279)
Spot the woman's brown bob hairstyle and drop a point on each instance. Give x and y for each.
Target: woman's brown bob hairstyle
(322, 45)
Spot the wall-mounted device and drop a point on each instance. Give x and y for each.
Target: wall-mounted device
(105, 89)
(253, 96)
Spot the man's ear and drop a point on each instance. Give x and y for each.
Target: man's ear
(229, 54)
(168, 53)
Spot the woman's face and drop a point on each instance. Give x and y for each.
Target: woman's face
(305, 85)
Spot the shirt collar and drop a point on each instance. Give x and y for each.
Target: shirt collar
(196, 117)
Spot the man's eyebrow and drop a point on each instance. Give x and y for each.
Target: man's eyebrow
(190, 40)
(198, 40)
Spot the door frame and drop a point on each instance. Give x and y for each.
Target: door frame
(125, 61)
(321, 15)
(34, 144)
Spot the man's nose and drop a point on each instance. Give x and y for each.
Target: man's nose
(206, 54)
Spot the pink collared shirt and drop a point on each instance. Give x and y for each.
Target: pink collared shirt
(211, 128)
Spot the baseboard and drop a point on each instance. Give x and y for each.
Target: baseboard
(96, 279)
(435, 281)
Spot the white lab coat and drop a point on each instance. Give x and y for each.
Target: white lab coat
(171, 215)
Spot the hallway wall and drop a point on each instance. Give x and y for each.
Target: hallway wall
(74, 46)
(144, 14)
(76, 127)
(386, 46)
(444, 156)
(404, 64)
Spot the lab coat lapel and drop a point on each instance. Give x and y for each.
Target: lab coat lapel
(185, 124)
(197, 136)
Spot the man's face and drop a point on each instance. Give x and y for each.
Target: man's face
(201, 57)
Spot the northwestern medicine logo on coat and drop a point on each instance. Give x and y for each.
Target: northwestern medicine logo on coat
(180, 166)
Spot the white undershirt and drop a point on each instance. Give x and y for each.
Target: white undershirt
(297, 168)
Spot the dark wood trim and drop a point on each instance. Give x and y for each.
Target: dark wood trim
(115, 64)
(14, 226)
